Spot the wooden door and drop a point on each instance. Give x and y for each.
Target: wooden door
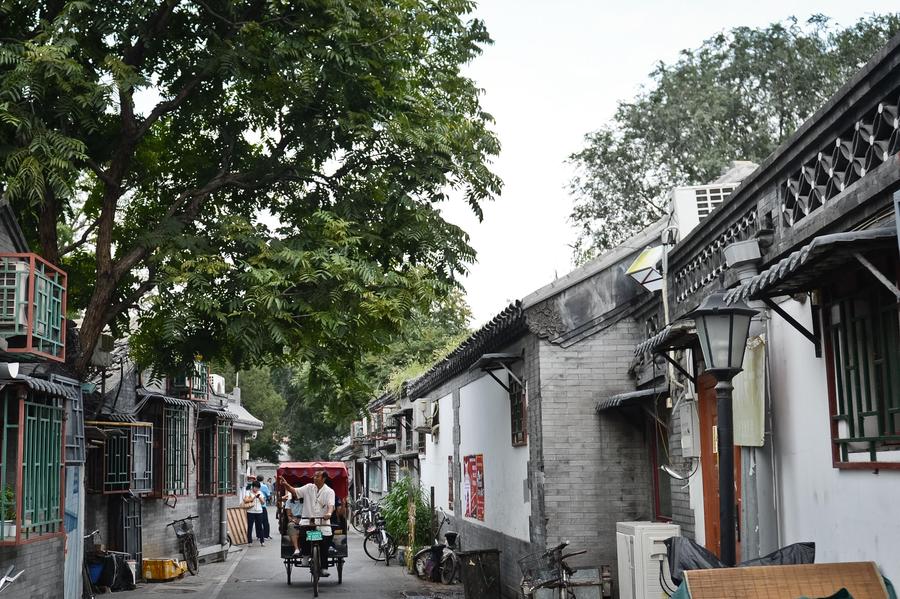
(709, 461)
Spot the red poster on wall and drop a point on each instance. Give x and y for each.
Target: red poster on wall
(450, 481)
(473, 468)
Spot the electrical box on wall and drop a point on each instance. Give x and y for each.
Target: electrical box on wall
(690, 429)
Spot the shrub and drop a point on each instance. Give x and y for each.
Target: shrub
(394, 508)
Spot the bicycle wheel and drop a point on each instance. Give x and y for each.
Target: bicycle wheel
(340, 569)
(87, 589)
(357, 522)
(372, 546)
(315, 568)
(288, 566)
(449, 567)
(420, 565)
(189, 549)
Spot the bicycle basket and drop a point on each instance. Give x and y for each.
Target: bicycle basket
(538, 570)
(183, 529)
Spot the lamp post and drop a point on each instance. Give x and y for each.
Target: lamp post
(723, 331)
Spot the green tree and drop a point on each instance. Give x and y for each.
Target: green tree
(736, 97)
(312, 430)
(260, 178)
(263, 400)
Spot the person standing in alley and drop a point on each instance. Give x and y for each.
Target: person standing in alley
(265, 513)
(254, 500)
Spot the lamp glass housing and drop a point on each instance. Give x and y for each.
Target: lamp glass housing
(723, 331)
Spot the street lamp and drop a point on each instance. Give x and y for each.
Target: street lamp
(723, 331)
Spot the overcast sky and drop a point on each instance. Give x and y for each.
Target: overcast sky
(555, 72)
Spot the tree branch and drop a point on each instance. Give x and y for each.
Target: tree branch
(84, 237)
(134, 296)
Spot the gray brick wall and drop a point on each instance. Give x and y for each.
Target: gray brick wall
(596, 466)
(474, 537)
(43, 563)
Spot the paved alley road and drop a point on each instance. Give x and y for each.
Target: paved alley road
(258, 572)
(261, 573)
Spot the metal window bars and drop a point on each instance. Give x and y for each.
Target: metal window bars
(215, 465)
(865, 356)
(41, 492)
(75, 444)
(224, 481)
(32, 306)
(175, 450)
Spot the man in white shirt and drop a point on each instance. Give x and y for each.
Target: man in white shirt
(318, 504)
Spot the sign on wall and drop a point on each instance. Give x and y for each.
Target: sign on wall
(473, 474)
(450, 481)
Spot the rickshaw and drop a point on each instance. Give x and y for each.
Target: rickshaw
(298, 474)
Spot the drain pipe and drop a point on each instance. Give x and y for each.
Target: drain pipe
(223, 528)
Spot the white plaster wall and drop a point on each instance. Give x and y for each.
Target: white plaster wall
(485, 428)
(433, 464)
(851, 515)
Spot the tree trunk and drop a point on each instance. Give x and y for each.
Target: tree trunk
(47, 220)
(96, 317)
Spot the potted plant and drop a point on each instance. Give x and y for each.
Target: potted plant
(9, 513)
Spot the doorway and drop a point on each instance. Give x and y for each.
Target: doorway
(709, 462)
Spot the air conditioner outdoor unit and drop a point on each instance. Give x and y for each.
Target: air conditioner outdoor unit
(422, 416)
(14, 307)
(639, 551)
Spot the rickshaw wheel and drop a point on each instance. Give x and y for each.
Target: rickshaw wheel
(314, 566)
(340, 568)
(287, 566)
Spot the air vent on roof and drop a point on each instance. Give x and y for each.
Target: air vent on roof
(708, 198)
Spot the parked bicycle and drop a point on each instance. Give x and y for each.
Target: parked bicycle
(378, 544)
(549, 570)
(448, 567)
(361, 514)
(184, 532)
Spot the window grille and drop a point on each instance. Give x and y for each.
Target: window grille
(42, 469)
(124, 463)
(194, 386)
(142, 459)
(226, 466)
(215, 465)
(863, 347)
(518, 413)
(408, 432)
(32, 306)
(31, 469)
(175, 450)
(74, 419)
(117, 462)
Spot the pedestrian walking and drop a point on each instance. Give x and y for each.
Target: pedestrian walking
(265, 514)
(271, 486)
(254, 500)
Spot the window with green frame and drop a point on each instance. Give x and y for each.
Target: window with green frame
(214, 458)
(517, 412)
(175, 450)
(862, 345)
(123, 463)
(32, 498)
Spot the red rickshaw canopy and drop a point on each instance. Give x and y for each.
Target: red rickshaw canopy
(301, 473)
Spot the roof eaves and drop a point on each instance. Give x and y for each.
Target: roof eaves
(504, 328)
